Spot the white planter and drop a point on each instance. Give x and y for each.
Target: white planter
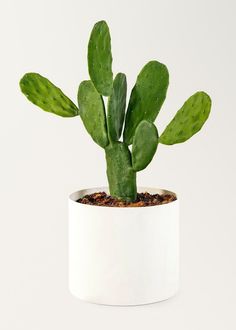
(123, 256)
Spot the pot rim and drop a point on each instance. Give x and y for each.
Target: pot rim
(74, 196)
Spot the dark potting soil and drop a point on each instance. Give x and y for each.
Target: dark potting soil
(143, 199)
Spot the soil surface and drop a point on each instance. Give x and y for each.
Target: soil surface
(143, 199)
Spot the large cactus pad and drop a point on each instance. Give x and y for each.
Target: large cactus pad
(100, 58)
(144, 145)
(92, 112)
(147, 97)
(188, 120)
(116, 107)
(40, 91)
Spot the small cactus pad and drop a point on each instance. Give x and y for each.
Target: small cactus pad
(144, 145)
(116, 107)
(92, 112)
(100, 58)
(40, 91)
(188, 120)
(146, 98)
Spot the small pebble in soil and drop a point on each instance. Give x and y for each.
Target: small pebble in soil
(143, 199)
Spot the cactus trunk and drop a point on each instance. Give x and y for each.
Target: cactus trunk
(121, 176)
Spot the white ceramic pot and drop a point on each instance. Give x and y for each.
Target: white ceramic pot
(123, 256)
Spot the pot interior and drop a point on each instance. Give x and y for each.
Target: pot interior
(80, 193)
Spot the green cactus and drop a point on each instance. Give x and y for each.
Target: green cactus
(100, 58)
(116, 107)
(146, 98)
(121, 175)
(44, 94)
(144, 145)
(105, 126)
(188, 120)
(92, 112)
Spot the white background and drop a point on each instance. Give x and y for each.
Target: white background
(44, 158)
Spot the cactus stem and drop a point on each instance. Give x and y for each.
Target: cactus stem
(121, 176)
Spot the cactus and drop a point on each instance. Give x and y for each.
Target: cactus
(120, 173)
(92, 112)
(116, 107)
(144, 145)
(100, 58)
(188, 120)
(44, 94)
(105, 126)
(147, 97)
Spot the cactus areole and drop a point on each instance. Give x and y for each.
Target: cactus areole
(129, 137)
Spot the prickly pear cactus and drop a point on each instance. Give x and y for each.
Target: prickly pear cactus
(188, 120)
(40, 91)
(146, 98)
(116, 107)
(144, 145)
(92, 112)
(100, 58)
(105, 128)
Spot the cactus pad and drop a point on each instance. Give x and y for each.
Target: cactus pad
(188, 120)
(92, 112)
(40, 91)
(144, 145)
(100, 58)
(146, 98)
(116, 107)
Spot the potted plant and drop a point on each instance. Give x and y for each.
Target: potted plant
(121, 252)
